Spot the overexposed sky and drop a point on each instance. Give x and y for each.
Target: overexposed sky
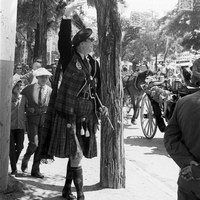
(158, 6)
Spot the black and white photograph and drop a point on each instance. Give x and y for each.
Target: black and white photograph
(100, 100)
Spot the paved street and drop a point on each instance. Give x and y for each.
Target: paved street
(151, 159)
(150, 173)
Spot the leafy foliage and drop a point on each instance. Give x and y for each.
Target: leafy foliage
(142, 43)
(191, 40)
(28, 18)
(185, 27)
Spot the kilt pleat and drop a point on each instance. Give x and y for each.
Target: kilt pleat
(60, 139)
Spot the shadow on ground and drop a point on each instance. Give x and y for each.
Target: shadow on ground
(27, 187)
(130, 126)
(156, 144)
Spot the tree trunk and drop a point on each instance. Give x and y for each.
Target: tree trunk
(166, 50)
(156, 58)
(43, 31)
(112, 172)
(37, 42)
(18, 52)
(8, 12)
(29, 47)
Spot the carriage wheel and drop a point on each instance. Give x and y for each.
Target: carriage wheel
(147, 118)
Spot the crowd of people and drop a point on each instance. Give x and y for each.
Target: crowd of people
(27, 112)
(28, 106)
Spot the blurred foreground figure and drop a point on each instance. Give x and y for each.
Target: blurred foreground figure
(182, 142)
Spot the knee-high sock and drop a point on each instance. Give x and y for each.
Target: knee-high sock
(68, 180)
(78, 182)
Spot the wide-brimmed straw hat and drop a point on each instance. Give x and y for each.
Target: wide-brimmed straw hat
(42, 72)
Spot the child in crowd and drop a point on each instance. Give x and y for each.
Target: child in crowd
(17, 124)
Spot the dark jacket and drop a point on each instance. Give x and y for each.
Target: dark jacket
(182, 136)
(74, 79)
(33, 108)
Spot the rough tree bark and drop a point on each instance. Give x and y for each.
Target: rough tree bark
(112, 172)
(29, 46)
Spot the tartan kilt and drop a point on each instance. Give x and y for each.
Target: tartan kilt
(83, 107)
(63, 142)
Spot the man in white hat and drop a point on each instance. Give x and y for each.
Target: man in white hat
(38, 95)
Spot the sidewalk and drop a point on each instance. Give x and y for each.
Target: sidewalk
(139, 184)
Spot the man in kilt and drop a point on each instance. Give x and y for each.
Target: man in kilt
(72, 115)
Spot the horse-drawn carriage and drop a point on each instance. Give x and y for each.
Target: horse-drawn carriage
(151, 111)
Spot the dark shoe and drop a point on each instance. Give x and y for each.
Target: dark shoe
(37, 175)
(13, 173)
(24, 165)
(78, 182)
(66, 192)
(68, 196)
(82, 197)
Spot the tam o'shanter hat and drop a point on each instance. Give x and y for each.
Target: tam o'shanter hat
(81, 36)
(42, 72)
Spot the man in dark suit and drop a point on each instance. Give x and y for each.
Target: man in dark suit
(37, 95)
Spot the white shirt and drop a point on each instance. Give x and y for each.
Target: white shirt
(36, 92)
(88, 62)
